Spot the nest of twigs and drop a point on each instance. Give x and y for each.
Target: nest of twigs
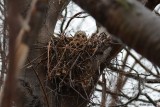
(74, 59)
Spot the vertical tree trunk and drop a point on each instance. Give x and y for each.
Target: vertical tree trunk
(34, 65)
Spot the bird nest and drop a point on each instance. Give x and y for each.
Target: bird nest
(75, 58)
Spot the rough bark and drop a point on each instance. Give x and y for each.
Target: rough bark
(35, 72)
(130, 21)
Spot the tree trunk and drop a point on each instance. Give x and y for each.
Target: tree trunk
(34, 72)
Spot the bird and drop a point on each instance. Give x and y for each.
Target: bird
(80, 35)
(79, 39)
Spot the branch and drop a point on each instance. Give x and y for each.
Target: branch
(133, 76)
(150, 99)
(103, 102)
(130, 21)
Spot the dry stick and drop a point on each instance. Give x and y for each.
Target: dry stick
(133, 76)
(103, 100)
(58, 62)
(121, 80)
(135, 97)
(125, 60)
(70, 73)
(145, 68)
(150, 99)
(34, 60)
(48, 55)
(123, 67)
(43, 89)
(121, 95)
(112, 93)
(72, 19)
(157, 69)
(152, 88)
(125, 79)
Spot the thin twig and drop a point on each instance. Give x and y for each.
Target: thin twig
(43, 89)
(72, 19)
(103, 102)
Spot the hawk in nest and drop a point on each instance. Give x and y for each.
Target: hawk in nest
(79, 39)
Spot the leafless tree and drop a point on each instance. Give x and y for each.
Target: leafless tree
(44, 69)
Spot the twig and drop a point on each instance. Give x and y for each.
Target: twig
(150, 99)
(43, 89)
(135, 97)
(34, 60)
(64, 19)
(145, 68)
(103, 102)
(72, 19)
(48, 56)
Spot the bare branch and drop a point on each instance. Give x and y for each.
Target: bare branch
(139, 23)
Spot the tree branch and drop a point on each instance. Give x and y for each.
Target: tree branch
(130, 21)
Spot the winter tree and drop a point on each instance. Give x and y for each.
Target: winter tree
(46, 61)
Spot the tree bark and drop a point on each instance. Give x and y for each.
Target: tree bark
(34, 73)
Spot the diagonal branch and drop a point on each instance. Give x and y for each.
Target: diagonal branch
(130, 21)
